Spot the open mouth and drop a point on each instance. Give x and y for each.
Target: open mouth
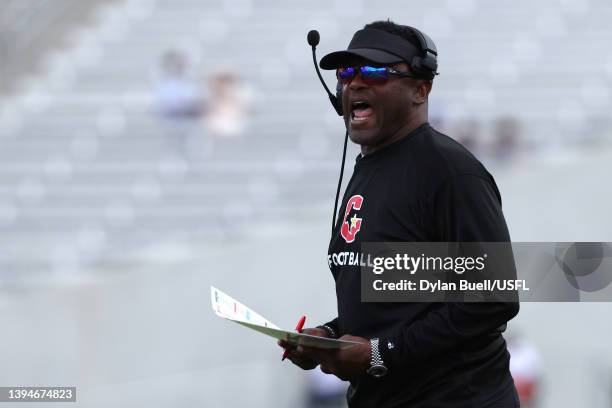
(361, 111)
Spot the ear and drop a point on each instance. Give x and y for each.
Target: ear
(421, 91)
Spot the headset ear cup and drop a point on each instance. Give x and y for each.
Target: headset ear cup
(424, 66)
(430, 63)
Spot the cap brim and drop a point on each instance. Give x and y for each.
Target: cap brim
(339, 59)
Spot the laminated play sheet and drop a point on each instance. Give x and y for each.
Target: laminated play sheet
(228, 308)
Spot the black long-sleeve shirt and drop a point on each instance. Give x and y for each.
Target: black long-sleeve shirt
(423, 188)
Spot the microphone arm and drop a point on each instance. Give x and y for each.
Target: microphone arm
(313, 40)
(332, 98)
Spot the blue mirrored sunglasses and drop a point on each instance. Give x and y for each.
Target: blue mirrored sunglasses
(369, 75)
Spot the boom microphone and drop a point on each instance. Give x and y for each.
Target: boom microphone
(313, 38)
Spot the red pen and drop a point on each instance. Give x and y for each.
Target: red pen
(298, 328)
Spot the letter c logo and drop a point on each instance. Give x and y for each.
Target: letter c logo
(351, 227)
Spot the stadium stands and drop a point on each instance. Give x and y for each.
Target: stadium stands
(83, 154)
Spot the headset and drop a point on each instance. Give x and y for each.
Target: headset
(425, 66)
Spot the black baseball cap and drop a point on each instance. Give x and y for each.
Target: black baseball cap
(374, 45)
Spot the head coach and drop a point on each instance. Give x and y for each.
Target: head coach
(410, 183)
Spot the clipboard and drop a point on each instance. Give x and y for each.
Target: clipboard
(228, 308)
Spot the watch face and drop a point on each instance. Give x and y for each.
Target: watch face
(377, 371)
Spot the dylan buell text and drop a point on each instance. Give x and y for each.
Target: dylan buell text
(488, 285)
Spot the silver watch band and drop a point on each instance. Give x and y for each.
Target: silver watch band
(377, 366)
(376, 358)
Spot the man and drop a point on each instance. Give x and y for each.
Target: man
(175, 95)
(410, 184)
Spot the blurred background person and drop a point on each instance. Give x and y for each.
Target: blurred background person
(175, 95)
(229, 105)
(179, 103)
(506, 138)
(526, 369)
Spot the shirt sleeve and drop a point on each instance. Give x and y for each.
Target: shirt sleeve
(333, 324)
(465, 209)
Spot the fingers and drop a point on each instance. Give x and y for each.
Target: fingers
(305, 352)
(308, 358)
(304, 364)
(326, 369)
(333, 370)
(295, 355)
(315, 331)
(318, 354)
(285, 345)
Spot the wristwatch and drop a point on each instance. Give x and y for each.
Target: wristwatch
(377, 367)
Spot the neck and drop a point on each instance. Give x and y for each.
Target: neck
(413, 123)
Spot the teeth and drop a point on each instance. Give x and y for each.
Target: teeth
(357, 119)
(358, 105)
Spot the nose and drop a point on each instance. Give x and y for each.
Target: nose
(357, 82)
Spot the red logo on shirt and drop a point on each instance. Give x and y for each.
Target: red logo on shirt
(351, 227)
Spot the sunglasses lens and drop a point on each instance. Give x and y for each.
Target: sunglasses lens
(369, 75)
(375, 75)
(345, 75)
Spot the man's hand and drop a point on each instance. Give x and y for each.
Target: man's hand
(297, 356)
(347, 364)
